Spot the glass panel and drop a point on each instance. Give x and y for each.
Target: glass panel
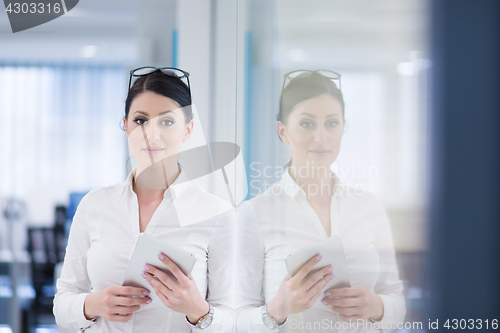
(63, 100)
(369, 129)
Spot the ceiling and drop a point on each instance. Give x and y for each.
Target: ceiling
(351, 33)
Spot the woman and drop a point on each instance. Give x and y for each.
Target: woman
(308, 205)
(90, 297)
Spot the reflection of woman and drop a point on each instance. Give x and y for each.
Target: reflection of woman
(307, 205)
(108, 222)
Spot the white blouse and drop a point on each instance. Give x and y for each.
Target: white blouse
(281, 221)
(103, 234)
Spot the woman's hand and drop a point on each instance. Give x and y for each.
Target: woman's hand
(354, 303)
(295, 296)
(181, 295)
(115, 303)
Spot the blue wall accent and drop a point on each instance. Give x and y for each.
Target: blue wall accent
(465, 154)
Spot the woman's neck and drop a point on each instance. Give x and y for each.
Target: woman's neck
(150, 183)
(316, 180)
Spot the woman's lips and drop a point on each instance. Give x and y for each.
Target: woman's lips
(153, 150)
(319, 152)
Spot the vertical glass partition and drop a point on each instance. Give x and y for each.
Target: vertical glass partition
(379, 156)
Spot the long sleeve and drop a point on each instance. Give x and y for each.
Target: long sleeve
(74, 284)
(250, 272)
(388, 286)
(221, 257)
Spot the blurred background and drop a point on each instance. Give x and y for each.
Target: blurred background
(63, 85)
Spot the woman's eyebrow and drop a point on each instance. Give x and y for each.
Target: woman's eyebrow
(307, 114)
(166, 112)
(313, 116)
(146, 114)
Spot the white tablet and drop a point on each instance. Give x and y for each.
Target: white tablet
(146, 251)
(333, 254)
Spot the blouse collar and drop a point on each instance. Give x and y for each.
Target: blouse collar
(292, 189)
(180, 184)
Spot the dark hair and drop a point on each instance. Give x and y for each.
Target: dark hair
(162, 84)
(303, 87)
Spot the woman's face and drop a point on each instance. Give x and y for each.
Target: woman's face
(156, 127)
(314, 131)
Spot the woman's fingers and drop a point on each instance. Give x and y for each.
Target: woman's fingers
(165, 300)
(344, 292)
(342, 302)
(125, 309)
(316, 277)
(128, 304)
(354, 311)
(128, 291)
(130, 301)
(152, 270)
(120, 313)
(318, 287)
(158, 286)
(304, 270)
(174, 269)
(347, 302)
(315, 292)
(118, 303)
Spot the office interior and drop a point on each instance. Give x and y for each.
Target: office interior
(63, 85)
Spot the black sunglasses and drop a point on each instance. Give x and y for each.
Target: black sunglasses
(170, 71)
(325, 72)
